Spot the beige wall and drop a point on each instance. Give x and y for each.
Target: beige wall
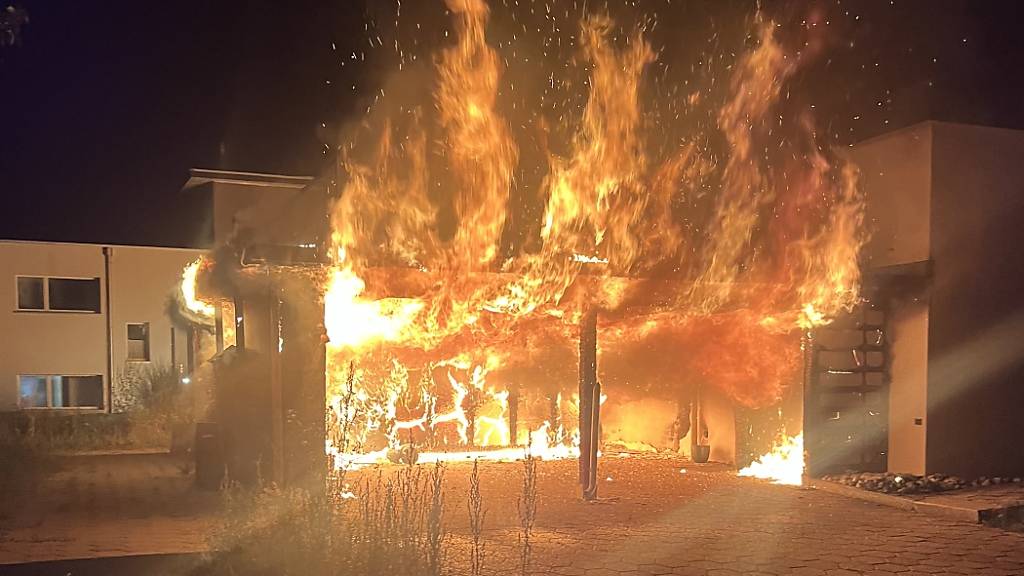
(976, 316)
(65, 343)
(895, 175)
(240, 204)
(72, 343)
(952, 194)
(142, 280)
(908, 389)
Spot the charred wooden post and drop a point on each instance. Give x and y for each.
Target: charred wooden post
(810, 393)
(472, 409)
(554, 418)
(590, 405)
(513, 415)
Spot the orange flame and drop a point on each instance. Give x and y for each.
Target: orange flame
(742, 282)
(189, 281)
(783, 465)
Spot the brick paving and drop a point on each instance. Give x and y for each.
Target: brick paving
(652, 519)
(708, 522)
(107, 505)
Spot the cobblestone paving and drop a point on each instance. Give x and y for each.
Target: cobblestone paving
(657, 520)
(653, 518)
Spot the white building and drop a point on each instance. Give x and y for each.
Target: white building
(77, 317)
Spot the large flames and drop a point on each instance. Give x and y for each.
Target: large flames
(453, 302)
(431, 367)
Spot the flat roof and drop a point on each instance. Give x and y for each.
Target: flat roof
(931, 123)
(200, 176)
(98, 245)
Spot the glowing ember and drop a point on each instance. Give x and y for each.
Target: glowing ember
(783, 465)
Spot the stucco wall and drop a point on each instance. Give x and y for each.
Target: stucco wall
(74, 343)
(976, 324)
(895, 175)
(142, 280)
(44, 343)
(908, 389)
(258, 203)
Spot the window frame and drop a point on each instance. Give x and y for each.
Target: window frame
(148, 346)
(17, 293)
(46, 296)
(49, 393)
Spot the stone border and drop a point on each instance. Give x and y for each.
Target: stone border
(972, 515)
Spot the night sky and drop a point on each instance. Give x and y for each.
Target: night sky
(105, 106)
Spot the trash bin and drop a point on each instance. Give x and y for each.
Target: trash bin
(209, 453)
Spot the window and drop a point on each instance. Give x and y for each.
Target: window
(58, 294)
(74, 294)
(30, 293)
(53, 391)
(138, 342)
(34, 391)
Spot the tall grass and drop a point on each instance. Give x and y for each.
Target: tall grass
(392, 524)
(527, 507)
(477, 515)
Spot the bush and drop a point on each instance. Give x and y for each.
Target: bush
(158, 403)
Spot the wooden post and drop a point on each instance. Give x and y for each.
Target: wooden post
(276, 393)
(590, 405)
(513, 416)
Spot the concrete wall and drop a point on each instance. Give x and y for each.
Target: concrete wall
(908, 389)
(976, 322)
(142, 281)
(75, 343)
(48, 343)
(895, 175)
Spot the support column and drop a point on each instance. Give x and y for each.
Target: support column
(590, 405)
(513, 416)
(276, 392)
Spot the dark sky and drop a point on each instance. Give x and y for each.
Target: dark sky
(106, 105)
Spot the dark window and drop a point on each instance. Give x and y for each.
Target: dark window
(138, 342)
(73, 294)
(30, 293)
(84, 391)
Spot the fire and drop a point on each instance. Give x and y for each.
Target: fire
(352, 322)
(188, 291)
(445, 293)
(783, 465)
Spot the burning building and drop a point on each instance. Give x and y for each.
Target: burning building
(648, 272)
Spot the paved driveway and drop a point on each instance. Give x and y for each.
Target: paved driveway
(706, 521)
(110, 505)
(653, 518)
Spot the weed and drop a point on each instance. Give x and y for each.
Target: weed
(527, 506)
(477, 515)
